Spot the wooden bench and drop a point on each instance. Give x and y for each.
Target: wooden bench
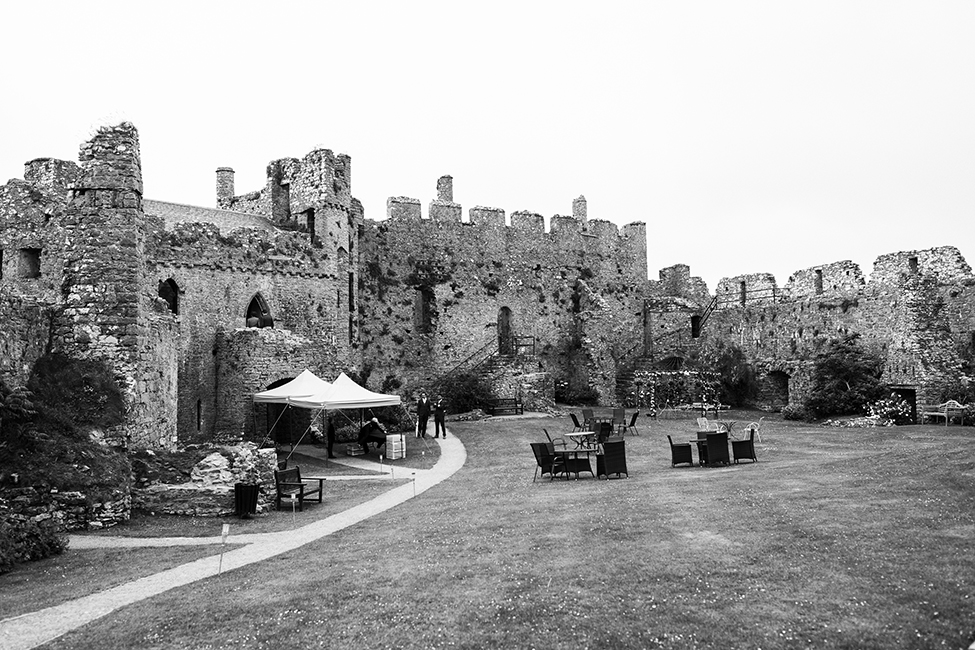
(506, 406)
(289, 485)
(947, 411)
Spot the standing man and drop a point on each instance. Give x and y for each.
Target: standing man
(439, 414)
(422, 414)
(330, 436)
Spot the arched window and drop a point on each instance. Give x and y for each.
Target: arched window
(258, 313)
(169, 291)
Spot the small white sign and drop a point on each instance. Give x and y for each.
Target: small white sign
(226, 531)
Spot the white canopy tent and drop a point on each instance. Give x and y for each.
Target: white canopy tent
(309, 391)
(306, 386)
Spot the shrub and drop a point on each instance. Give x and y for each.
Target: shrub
(892, 408)
(74, 395)
(582, 396)
(845, 378)
(795, 412)
(738, 385)
(25, 541)
(463, 392)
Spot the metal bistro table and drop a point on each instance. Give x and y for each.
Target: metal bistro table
(573, 464)
(582, 439)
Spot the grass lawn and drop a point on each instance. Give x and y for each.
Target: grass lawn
(836, 538)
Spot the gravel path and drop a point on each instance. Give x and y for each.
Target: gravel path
(35, 628)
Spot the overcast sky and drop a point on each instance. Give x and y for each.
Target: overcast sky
(749, 136)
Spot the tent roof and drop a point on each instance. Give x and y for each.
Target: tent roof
(305, 386)
(309, 391)
(346, 394)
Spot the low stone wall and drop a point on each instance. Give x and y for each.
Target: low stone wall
(210, 490)
(68, 510)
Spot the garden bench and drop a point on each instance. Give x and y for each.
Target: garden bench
(289, 485)
(947, 411)
(505, 406)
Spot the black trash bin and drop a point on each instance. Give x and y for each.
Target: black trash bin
(245, 499)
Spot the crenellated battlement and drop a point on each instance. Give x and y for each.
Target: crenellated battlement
(836, 279)
(944, 264)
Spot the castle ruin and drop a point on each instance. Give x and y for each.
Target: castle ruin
(197, 308)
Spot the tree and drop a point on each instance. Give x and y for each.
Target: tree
(845, 378)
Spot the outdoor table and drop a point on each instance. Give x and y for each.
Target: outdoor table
(571, 462)
(583, 439)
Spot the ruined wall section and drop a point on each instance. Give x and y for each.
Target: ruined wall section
(836, 279)
(435, 290)
(104, 315)
(218, 275)
(751, 289)
(313, 197)
(248, 361)
(27, 327)
(917, 315)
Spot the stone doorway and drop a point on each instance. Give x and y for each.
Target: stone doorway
(506, 345)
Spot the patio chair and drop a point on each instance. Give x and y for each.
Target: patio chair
(704, 425)
(744, 448)
(619, 419)
(575, 423)
(718, 448)
(560, 442)
(756, 428)
(612, 460)
(604, 432)
(587, 418)
(631, 427)
(680, 453)
(545, 460)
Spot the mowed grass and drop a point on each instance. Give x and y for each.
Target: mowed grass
(836, 538)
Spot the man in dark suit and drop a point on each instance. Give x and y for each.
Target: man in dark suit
(439, 418)
(422, 415)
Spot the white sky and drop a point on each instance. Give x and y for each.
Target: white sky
(749, 136)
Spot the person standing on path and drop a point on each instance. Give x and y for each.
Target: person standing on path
(439, 415)
(422, 415)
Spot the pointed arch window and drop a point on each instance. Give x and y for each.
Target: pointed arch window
(169, 291)
(258, 313)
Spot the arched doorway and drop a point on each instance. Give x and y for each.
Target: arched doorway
(773, 390)
(258, 313)
(505, 342)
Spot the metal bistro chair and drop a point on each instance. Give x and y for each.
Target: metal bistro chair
(631, 427)
(619, 420)
(587, 419)
(575, 423)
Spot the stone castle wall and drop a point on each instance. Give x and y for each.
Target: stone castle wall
(434, 290)
(84, 270)
(916, 311)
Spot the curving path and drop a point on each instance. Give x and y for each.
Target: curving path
(35, 628)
